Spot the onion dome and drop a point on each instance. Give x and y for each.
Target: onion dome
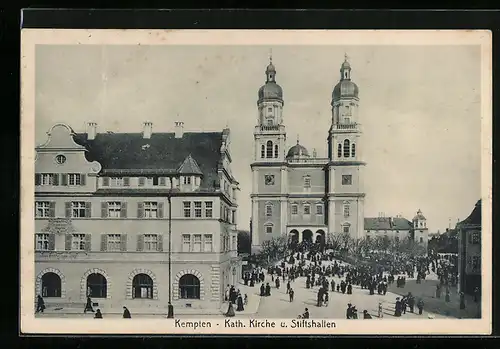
(345, 87)
(297, 151)
(419, 216)
(270, 90)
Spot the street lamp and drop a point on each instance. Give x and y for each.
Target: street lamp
(170, 314)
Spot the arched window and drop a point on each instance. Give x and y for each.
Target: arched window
(142, 286)
(346, 148)
(347, 210)
(353, 150)
(269, 210)
(189, 287)
(262, 151)
(51, 285)
(97, 286)
(276, 151)
(269, 150)
(339, 151)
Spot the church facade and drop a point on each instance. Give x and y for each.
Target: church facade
(304, 197)
(298, 194)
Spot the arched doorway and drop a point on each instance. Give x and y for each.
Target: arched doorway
(97, 286)
(142, 286)
(307, 236)
(293, 237)
(189, 287)
(51, 285)
(321, 239)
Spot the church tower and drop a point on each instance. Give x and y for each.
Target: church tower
(268, 167)
(345, 170)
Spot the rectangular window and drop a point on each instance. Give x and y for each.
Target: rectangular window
(421, 239)
(113, 242)
(295, 209)
(307, 182)
(149, 181)
(47, 179)
(74, 179)
(474, 237)
(186, 243)
(233, 243)
(476, 263)
(151, 210)
(207, 246)
(187, 180)
(269, 229)
(197, 209)
(116, 181)
(346, 229)
(78, 209)
(187, 209)
(197, 243)
(42, 209)
(319, 210)
(307, 209)
(150, 242)
(78, 242)
(42, 242)
(208, 209)
(114, 209)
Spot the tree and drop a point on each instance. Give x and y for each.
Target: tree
(273, 250)
(244, 242)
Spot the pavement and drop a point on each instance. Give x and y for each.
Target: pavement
(278, 304)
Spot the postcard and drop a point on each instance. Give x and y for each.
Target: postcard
(256, 182)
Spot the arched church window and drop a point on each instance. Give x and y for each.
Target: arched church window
(353, 150)
(262, 151)
(269, 150)
(276, 151)
(339, 150)
(346, 148)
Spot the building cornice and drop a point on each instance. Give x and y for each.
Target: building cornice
(346, 163)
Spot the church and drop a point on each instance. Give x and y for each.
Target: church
(305, 197)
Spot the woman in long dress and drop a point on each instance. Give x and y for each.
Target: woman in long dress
(240, 304)
(230, 310)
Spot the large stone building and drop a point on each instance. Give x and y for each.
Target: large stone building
(105, 204)
(469, 251)
(305, 197)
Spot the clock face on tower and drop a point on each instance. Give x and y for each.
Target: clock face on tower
(269, 179)
(346, 179)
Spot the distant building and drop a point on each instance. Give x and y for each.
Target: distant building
(398, 228)
(469, 251)
(102, 218)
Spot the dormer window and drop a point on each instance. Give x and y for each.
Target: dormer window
(187, 180)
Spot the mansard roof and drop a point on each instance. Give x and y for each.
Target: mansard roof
(385, 223)
(162, 153)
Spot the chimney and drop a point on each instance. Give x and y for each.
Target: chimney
(179, 129)
(148, 130)
(91, 130)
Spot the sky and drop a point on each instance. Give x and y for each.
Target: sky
(419, 107)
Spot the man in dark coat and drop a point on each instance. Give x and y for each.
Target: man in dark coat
(40, 304)
(170, 311)
(348, 313)
(278, 282)
(268, 289)
(262, 290)
(288, 287)
(411, 302)
(420, 306)
(290, 294)
(126, 313)
(349, 288)
(398, 308)
(366, 315)
(306, 314)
